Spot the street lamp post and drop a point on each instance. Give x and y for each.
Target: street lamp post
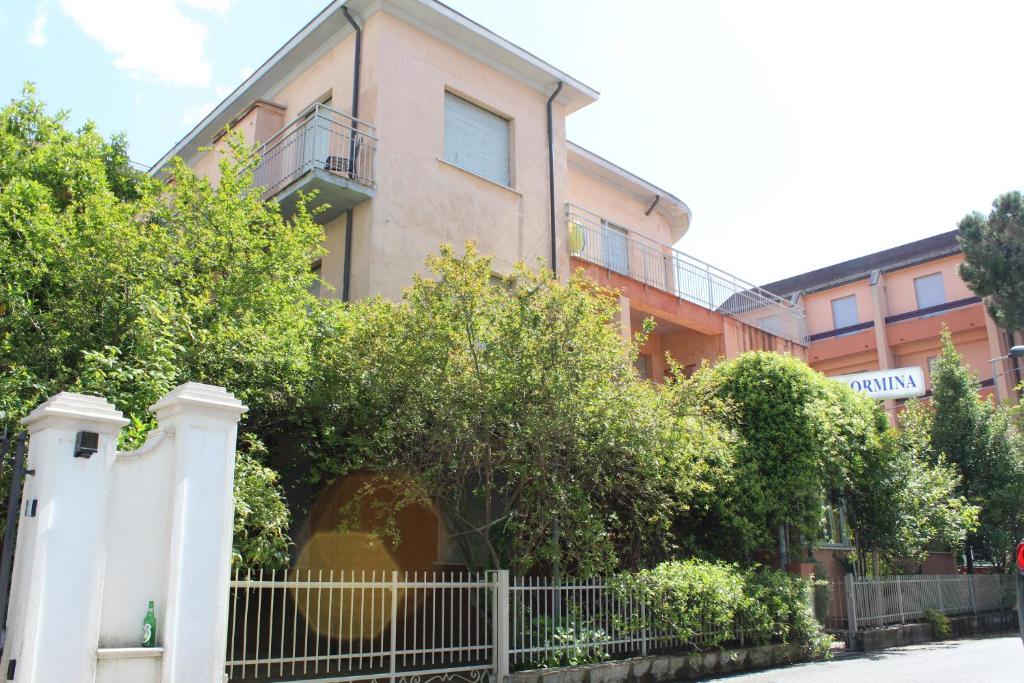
(1015, 352)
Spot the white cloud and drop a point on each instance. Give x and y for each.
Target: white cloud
(36, 36)
(217, 6)
(246, 71)
(151, 39)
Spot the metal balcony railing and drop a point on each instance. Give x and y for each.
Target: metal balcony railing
(594, 239)
(321, 138)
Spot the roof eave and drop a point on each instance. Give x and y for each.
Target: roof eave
(673, 208)
(330, 26)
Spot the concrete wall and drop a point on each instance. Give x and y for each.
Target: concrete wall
(666, 668)
(424, 201)
(909, 634)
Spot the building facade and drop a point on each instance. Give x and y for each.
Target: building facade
(420, 127)
(886, 310)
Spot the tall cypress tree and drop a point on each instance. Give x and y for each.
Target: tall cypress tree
(986, 448)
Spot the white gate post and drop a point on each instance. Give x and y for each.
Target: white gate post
(54, 617)
(500, 616)
(204, 420)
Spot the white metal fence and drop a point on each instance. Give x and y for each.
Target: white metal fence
(901, 599)
(414, 627)
(551, 624)
(594, 239)
(367, 625)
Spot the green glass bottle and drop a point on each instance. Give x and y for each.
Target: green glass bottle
(149, 627)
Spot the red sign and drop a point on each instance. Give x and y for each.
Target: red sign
(1020, 557)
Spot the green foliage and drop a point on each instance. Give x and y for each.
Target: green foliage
(695, 600)
(778, 607)
(261, 517)
(994, 258)
(701, 603)
(574, 642)
(987, 450)
(804, 440)
(803, 436)
(941, 626)
(906, 499)
(118, 285)
(515, 407)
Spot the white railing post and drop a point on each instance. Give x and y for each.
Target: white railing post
(851, 608)
(899, 598)
(394, 624)
(974, 602)
(501, 631)
(645, 633)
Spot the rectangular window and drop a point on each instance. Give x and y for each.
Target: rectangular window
(616, 248)
(476, 140)
(929, 291)
(844, 312)
(643, 366)
(834, 532)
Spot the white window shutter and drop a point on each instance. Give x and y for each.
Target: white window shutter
(844, 312)
(476, 140)
(929, 290)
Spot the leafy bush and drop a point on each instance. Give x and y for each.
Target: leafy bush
(575, 642)
(941, 627)
(696, 600)
(702, 603)
(822, 597)
(261, 515)
(778, 608)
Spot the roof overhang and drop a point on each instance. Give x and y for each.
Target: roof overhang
(671, 207)
(330, 27)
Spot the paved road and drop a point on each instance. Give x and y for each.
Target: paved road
(976, 660)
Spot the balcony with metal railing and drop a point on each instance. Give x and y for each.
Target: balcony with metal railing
(596, 240)
(321, 150)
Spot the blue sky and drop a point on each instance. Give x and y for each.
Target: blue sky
(799, 133)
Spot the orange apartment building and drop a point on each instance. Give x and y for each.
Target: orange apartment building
(886, 310)
(420, 127)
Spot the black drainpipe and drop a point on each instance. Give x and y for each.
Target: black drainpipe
(357, 63)
(551, 178)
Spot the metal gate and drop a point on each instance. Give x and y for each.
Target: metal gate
(304, 625)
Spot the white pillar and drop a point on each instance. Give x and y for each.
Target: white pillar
(53, 621)
(204, 421)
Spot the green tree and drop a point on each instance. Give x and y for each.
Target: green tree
(514, 407)
(994, 258)
(986, 449)
(803, 437)
(905, 500)
(118, 285)
(805, 441)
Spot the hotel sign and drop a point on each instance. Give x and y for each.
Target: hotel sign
(886, 384)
